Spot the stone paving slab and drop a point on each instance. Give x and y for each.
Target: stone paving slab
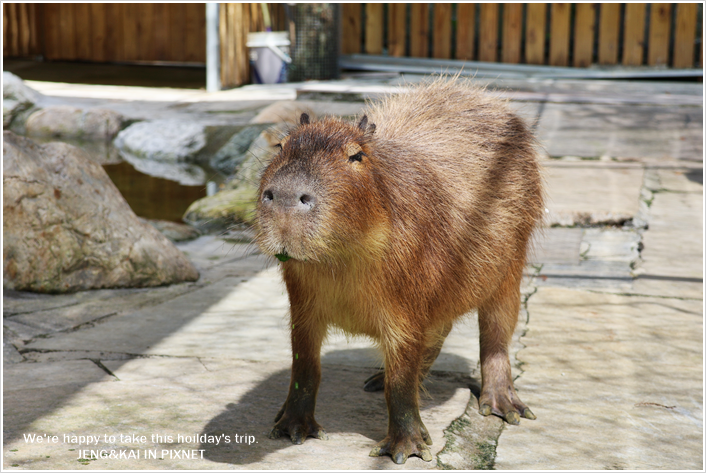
(676, 227)
(30, 315)
(215, 358)
(615, 382)
(628, 131)
(607, 193)
(188, 397)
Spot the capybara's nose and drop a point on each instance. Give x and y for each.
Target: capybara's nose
(289, 200)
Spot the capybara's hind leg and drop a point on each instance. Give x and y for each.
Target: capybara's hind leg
(406, 433)
(497, 318)
(377, 381)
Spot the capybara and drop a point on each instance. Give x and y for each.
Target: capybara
(394, 227)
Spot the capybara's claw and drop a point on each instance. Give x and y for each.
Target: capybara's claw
(509, 408)
(298, 431)
(512, 417)
(401, 450)
(377, 451)
(426, 455)
(375, 383)
(296, 436)
(527, 414)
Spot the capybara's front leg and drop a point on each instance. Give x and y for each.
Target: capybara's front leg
(435, 339)
(406, 434)
(296, 418)
(497, 318)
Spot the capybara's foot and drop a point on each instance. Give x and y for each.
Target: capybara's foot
(297, 429)
(505, 404)
(402, 448)
(375, 383)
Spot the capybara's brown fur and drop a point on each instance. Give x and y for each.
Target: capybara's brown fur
(395, 227)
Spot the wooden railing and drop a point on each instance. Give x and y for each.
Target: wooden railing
(557, 34)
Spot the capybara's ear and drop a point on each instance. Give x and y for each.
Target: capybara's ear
(363, 125)
(304, 119)
(280, 145)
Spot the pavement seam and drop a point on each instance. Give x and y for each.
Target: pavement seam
(104, 368)
(471, 439)
(635, 294)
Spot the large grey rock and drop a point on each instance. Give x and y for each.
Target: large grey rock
(63, 121)
(235, 151)
(16, 97)
(172, 141)
(66, 227)
(236, 203)
(172, 149)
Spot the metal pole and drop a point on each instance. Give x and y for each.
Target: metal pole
(213, 49)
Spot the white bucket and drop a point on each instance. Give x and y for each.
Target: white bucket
(269, 56)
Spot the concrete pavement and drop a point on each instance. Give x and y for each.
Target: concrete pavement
(608, 352)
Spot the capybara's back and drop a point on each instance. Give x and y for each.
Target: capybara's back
(393, 228)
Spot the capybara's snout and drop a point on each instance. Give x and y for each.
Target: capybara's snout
(289, 196)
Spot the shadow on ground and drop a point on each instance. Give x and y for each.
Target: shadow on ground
(116, 325)
(343, 407)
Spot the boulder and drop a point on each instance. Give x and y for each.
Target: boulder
(236, 202)
(67, 228)
(222, 210)
(172, 149)
(170, 141)
(235, 151)
(63, 121)
(175, 231)
(16, 98)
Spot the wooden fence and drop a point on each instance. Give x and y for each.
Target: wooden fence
(557, 34)
(106, 32)
(134, 32)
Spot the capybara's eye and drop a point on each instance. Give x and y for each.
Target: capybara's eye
(356, 157)
(278, 146)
